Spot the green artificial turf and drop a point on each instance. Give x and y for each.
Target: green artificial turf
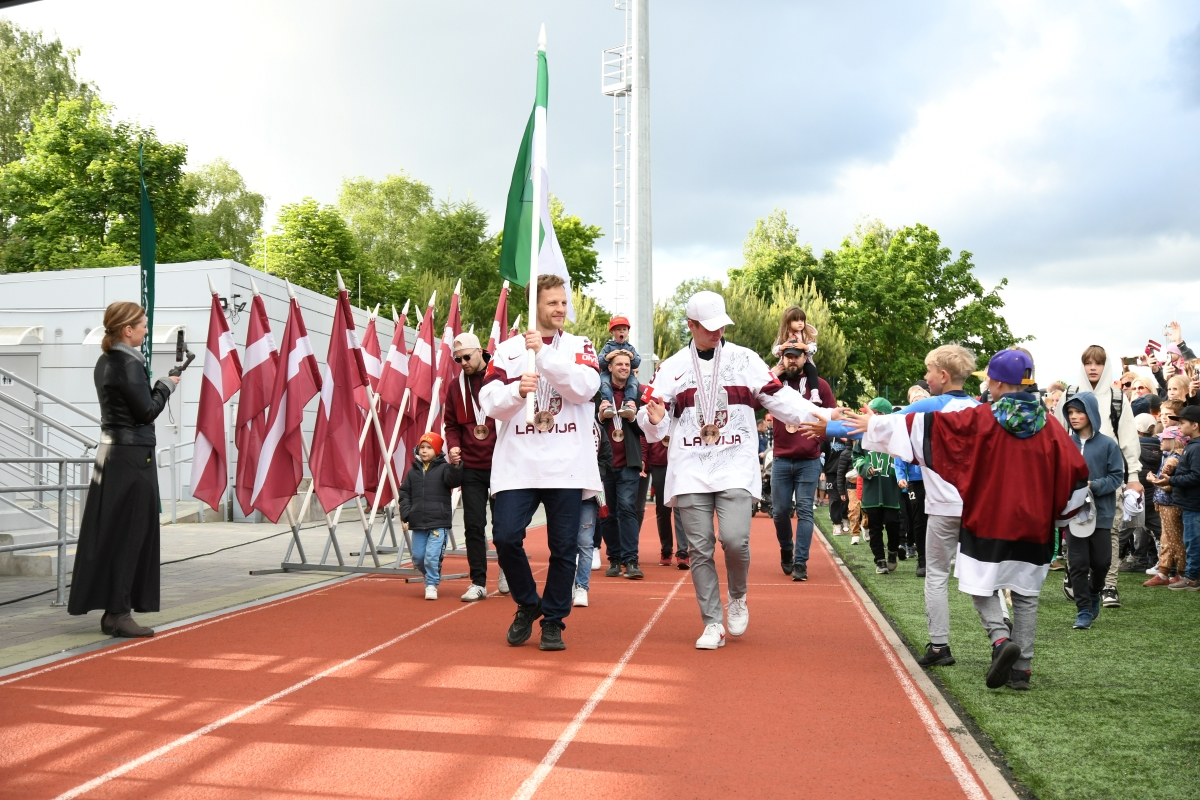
(1112, 712)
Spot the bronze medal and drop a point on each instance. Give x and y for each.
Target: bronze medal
(618, 435)
(543, 421)
(791, 428)
(666, 441)
(710, 434)
(481, 432)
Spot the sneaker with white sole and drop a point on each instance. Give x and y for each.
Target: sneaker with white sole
(595, 559)
(853, 540)
(845, 527)
(581, 599)
(474, 594)
(431, 593)
(712, 638)
(502, 583)
(738, 616)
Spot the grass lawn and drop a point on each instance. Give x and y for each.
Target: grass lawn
(1112, 712)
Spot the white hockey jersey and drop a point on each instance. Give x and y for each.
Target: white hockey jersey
(745, 384)
(565, 456)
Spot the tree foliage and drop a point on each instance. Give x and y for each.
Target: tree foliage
(226, 212)
(384, 217)
(832, 348)
(772, 252)
(576, 240)
(73, 200)
(33, 70)
(591, 318)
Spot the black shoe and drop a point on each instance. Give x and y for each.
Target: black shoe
(1133, 565)
(1008, 622)
(522, 626)
(1109, 597)
(800, 572)
(902, 554)
(785, 560)
(891, 562)
(551, 638)
(912, 551)
(1067, 590)
(1004, 654)
(936, 656)
(633, 571)
(614, 570)
(881, 567)
(920, 572)
(1019, 679)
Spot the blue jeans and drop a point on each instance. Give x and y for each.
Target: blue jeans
(1191, 543)
(620, 528)
(513, 513)
(588, 514)
(632, 387)
(427, 549)
(794, 478)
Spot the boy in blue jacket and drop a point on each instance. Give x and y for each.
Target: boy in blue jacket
(1089, 545)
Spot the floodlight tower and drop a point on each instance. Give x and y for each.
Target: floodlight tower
(625, 76)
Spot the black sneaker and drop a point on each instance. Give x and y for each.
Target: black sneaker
(551, 638)
(522, 626)
(891, 562)
(936, 656)
(614, 570)
(902, 554)
(1004, 654)
(881, 567)
(912, 551)
(1109, 597)
(633, 571)
(920, 572)
(800, 572)
(1019, 679)
(785, 560)
(1068, 592)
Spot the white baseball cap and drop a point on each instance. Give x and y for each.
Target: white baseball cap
(708, 308)
(466, 341)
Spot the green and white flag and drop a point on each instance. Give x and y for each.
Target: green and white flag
(530, 185)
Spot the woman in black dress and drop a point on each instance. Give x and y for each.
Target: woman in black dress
(116, 562)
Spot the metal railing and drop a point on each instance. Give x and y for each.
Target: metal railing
(174, 460)
(61, 488)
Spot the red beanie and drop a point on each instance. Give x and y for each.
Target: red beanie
(433, 440)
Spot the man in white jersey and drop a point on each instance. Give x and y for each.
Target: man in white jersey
(703, 398)
(552, 462)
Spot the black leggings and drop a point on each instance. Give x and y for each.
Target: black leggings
(1088, 552)
(877, 520)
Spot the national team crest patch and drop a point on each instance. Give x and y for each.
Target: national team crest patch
(721, 418)
(555, 405)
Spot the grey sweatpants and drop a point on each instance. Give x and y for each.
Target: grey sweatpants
(733, 509)
(991, 614)
(941, 543)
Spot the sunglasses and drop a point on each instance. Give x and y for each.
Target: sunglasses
(1123, 385)
(463, 359)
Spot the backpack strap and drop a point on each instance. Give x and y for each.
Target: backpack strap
(1114, 413)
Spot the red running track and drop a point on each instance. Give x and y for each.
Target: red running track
(364, 689)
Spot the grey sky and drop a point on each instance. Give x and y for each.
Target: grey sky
(1057, 142)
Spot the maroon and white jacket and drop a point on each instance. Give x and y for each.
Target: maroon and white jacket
(732, 463)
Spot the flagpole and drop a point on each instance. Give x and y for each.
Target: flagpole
(534, 241)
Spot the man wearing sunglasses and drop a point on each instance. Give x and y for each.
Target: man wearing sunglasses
(471, 438)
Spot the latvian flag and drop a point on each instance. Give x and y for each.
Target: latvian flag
(222, 377)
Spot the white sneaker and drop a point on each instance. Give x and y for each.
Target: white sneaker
(712, 638)
(738, 616)
(580, 600)
(595, 559)
(475, 594)
(1153, 570)
(845, 527)
(431, 593)
(853, 540)
(502, 583)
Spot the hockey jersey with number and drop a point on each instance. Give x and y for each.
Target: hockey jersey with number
(745, 383)
(563, 457)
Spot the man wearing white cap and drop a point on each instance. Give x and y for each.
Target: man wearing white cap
(471, 437)
(703, 401)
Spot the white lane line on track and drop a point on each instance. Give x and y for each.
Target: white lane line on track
(529, 788)
(958, 766)
(235, 716)
(158, 637)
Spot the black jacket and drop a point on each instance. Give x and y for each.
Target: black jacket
(1151, 458)
(843, 466)
(1185, 482)
(425, 494)
(604, 451)
(128, 406)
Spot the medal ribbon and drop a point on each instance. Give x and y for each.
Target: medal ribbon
(543, 388)
(706, 407)
(468, 390)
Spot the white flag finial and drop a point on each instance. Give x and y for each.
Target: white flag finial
(432, 298)
(404, 311)
(374, 313)
(542, 38)
(212, 287)
(458, 287)
(506, 284)
(395, 316)
(341, 283)
(254, 287)
(291, 292)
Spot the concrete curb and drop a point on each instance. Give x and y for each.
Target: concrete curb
(989, 775)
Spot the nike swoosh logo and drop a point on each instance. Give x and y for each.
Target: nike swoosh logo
(680, 375)
(518, 355)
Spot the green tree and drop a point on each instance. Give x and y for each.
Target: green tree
(754, 325)
(591, 318)
(576, 240)
(226, 212)
(384, 217)
(32, 71)
(310, 244)
(667, 339)
(73, 200)
(451, 242)
(771, 252)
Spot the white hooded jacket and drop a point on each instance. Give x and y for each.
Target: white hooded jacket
(1126, 434)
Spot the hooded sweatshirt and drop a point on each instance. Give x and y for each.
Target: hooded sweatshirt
(1106, 465)
(1126, 433)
